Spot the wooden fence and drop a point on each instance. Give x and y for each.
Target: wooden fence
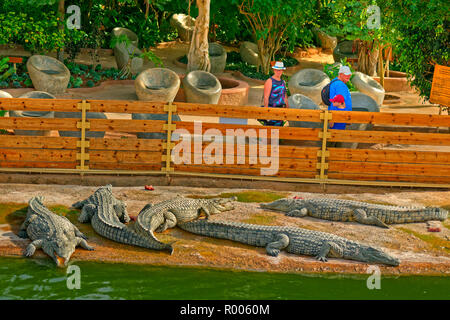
(412, 157)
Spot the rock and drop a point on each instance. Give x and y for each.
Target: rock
(309, 82)
(202, 87)
(48, 74)
(299, 101)
(33, 114)
(369, 86)
(184, 24)
(344, 50)
(116, 32)
(217, 57)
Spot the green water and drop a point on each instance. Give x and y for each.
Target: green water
(22, 278)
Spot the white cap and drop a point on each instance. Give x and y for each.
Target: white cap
(279, 65)
(345, 70)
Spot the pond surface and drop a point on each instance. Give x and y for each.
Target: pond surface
(22, 278)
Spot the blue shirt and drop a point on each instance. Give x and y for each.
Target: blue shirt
(339, 87)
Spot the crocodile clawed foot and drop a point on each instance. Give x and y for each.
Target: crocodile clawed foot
(29, 251)
(323, 259)
(90, 248)
(273, 252)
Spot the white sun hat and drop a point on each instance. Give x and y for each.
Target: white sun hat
(345, 70)
(279, 65)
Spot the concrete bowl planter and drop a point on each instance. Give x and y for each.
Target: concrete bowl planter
(343, 50)
(123, 53)
(234, 92)
(157, 84)
(249, 53)
(327, 42)
(184, 24)
(48, 74)
(202, 87)
(217, 57)
(309, 82)
(116, 32)
(369, 86)
(4, 94)
(299, 101)
(33, 114)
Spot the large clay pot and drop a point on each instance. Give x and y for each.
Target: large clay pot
(116, 32)
(123, 53)
(309, 82)
(33, 114)
(217, 57)
(202, 87)
(343, 50)
(249, 53)
(360, 102)
(327, 41)
(369, 86)
(157, 84)
(184, 24)
(48, 74)
(299, 101)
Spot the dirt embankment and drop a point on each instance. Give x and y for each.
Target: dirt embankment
(420, 251)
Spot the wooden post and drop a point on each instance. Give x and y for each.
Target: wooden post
(168, 145)
(324, 153)
(83, 144)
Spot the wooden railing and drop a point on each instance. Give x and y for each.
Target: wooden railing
(303, 154)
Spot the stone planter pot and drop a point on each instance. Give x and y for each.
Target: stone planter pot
(344, 50)
(360, 102)
(116, 32)
(217, 57)
(33, 114)
(123, 54)
(299, 101)
(157, 84)
(309, 82)
(184, 24)
(48, 74)
(327, 42)
(202, 87)
(369, 86)
(249, 53)
(4, 94)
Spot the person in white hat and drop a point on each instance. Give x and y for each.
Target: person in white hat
(275, 93)
(338, 87)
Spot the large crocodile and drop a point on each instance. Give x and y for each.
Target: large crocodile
(291, 239)
(167, 214)
(55, 234)
(108, 215)
(349, 210)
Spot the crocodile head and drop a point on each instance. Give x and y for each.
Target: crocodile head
(120, 208)
(218, 205)
(60, 250)
(373, 255)
(284, 205)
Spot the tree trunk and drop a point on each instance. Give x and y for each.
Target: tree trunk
(198, 57)
(368, 52)
(61, 12)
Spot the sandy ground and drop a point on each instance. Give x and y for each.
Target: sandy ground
(417, 256)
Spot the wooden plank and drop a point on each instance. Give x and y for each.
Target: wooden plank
(391, 178)
(126, 125)
(71, 105)
(242, 171)
(38, 124)
(247, 112)
(35, 164)
(52, 155)
(124, 156)
(433, 170)
(408, 119)
(283, 132)
(389, 156)
(388, 137)
(125, 166)
(283, 164)
(130, 144)
(37, 142)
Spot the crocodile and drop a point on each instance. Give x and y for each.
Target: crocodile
(55, 234)
(167, 214)
(108, 216)
(349, 210)
(291, 239)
